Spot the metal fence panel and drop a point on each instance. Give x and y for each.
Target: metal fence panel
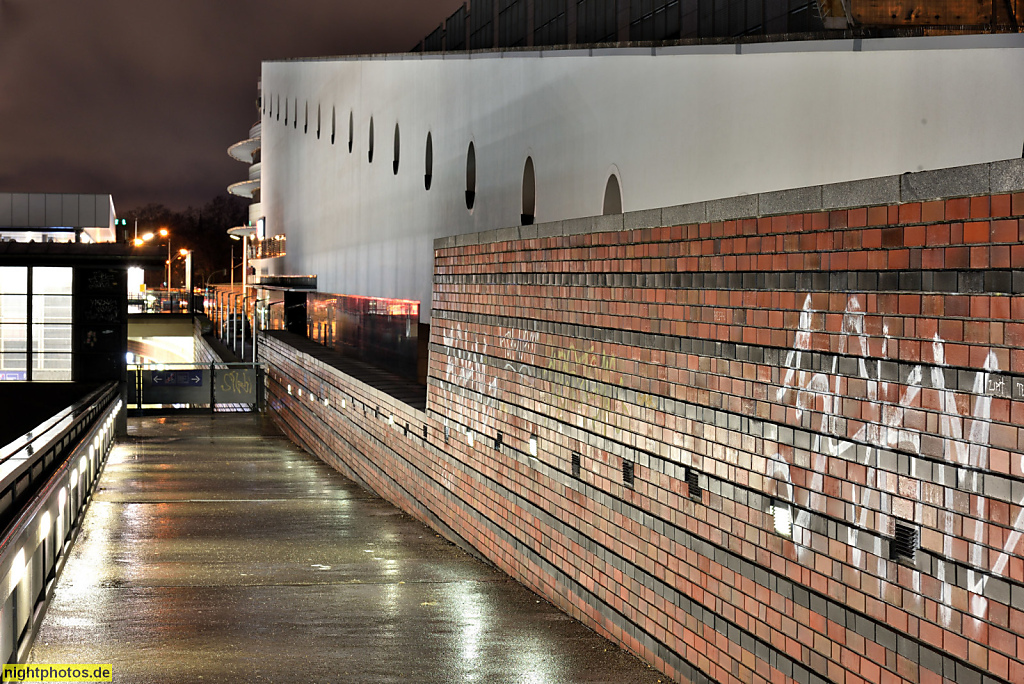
(236, 385)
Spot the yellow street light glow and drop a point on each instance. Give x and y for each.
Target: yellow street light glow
(163, 232)
(183, 252)
(147, 236)
(138, 242)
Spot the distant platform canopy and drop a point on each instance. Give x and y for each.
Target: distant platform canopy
(57, 217)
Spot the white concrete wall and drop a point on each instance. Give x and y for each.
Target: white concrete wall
(677, 125)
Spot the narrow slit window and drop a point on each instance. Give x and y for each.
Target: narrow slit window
(428, 165)
(529, 193)
(394, 161)
(369, 154)
(471, 176)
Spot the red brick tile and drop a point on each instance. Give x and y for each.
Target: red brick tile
(959, 208)
(932, 212)
(981, 207)
(976, 231)
(910, 213)
(1000, 205)
(878, 216)
(1017, 204)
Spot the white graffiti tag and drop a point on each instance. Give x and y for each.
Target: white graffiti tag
(964, 436)
(467, 369)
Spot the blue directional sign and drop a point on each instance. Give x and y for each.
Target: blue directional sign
(176, 386)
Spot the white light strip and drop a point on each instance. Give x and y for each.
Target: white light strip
(783, 515)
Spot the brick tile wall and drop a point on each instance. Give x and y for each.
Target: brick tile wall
(862, 369)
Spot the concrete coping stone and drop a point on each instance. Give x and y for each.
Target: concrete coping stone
(960, 181)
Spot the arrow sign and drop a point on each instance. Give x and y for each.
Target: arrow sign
(195, 380)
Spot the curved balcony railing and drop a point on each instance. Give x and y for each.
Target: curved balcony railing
(245, 188)
(242, 151)
(268, 248)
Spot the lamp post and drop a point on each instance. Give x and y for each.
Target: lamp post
(163, 232)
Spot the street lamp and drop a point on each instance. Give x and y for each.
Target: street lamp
(187, 278)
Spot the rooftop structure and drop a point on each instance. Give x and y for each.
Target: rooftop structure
(54, 217)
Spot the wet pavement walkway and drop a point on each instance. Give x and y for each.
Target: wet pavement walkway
(216, 551)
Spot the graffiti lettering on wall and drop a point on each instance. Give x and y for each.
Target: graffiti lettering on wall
(964, 434)
(520, 349)
(469, 373)
(584, 362)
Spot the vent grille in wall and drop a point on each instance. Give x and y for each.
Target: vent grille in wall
(693, 481)
(627, 473)
(575, 465)
(905, 544)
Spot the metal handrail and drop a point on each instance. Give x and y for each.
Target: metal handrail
(43, 500)
(48, 426)
(22, 467)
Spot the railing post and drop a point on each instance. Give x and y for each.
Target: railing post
(213, 397)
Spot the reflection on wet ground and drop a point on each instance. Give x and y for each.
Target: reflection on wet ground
(217, 551)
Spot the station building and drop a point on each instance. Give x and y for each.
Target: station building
(717, 345)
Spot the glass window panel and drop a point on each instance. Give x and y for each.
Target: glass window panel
(50, 366)
(13, 338)
(13, 366)
(51, 280)
(47, 337)
(51, 309)
(13, 280)
(13, 308)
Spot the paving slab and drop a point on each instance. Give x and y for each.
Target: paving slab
(216, 551)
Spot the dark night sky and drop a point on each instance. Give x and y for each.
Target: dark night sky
(141, 98)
